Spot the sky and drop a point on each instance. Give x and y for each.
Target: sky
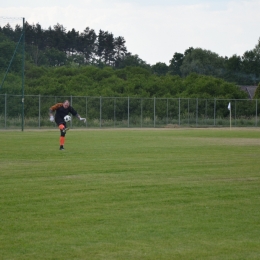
(155, 29)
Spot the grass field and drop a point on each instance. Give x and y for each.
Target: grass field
(130, 194)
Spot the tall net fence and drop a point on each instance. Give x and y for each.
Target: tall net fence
(12, 60)
(115, 112)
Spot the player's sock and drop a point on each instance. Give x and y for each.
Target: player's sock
(62, 140)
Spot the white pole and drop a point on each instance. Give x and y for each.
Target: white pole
(230, 118)
(229, 108)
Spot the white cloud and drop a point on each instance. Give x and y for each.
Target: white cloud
(155, 32)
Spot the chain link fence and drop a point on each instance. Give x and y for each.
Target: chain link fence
(120, 112)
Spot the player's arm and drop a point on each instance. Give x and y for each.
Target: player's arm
(52, 109)
(51, 115)
(75, 113)
(81, 118)
(50, 112)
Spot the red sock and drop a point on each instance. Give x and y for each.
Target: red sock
(62, 140)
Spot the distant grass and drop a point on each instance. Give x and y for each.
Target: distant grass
(130, 194)
(134, 122)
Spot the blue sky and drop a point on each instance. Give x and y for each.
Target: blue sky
(154, 29)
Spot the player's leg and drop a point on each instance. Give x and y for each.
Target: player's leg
(63, 130)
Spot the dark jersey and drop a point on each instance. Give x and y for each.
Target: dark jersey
(61, 112)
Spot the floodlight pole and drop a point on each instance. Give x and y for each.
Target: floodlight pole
(23, 75)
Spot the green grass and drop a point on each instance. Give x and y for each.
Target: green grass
(130, 194)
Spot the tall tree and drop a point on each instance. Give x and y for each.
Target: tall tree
(109, 49)
(106, 46)
(120, 50)
(72, 42)
(233, 71)
(175, 64)
(87, 44)
(56, 37)
(233, 64)
(35, 43)
(202, 62)
(251, 63)
(9, 32)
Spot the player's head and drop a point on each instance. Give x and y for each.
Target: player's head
(66, 104)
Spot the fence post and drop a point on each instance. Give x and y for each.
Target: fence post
(214, 111)
(100, 112)
(5, 109)
(188, 112)
(235, 113)
(206, 111)
(128, 112)
(22, 112)
(197, 108)
(179, 111)
(39, 119)
(256, 112)
(154, 113)
(167, 114)
(71, 105)
(86, 111)
(141, 112)
(114, 112)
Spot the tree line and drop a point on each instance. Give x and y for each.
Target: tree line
(126, 82)
(56, 51)
(242, 70)
(57, 47)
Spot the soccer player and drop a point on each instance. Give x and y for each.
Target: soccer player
(61, 110)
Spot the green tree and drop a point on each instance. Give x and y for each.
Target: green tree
(7, 48)
(251, 64)
(56, 37)
(257, 92)
(202, 62)
(35, 44)
(175, 64)
(233, 64)
(130, 60)
(9, 32)
(55, 57)
(106, 50)
(72, 42)
(87, 45)
(201, 86)
(160, 68)
(120, 50)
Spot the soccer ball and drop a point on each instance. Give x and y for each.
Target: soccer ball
(67, 118)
